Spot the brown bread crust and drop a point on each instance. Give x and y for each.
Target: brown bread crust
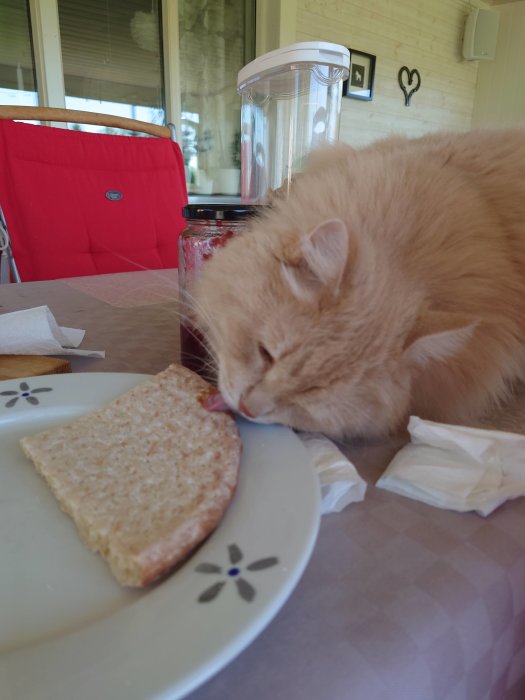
(146, 477)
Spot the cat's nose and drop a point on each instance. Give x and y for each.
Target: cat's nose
(255, 403)
(244, 409)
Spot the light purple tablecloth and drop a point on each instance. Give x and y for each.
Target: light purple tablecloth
(400, 601)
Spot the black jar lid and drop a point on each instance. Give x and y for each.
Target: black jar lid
(219, 212)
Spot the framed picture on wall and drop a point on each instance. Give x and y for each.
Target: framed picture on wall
(360, 83)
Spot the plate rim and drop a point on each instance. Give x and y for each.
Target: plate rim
(247, 632)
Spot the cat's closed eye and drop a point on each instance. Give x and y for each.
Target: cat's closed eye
(265, 354)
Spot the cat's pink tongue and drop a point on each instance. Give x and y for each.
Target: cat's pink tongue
(215, 402)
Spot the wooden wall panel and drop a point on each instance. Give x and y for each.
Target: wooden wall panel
(423, 35)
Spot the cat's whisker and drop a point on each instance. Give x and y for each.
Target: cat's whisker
(201, 312)
(180, 313)
(164, 276)
(189, 301)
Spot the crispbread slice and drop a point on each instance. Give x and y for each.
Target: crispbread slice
(146, 477)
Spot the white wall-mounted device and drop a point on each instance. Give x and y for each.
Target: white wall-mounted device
(481, 35)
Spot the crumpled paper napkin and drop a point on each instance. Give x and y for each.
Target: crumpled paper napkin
(36, 332)
(339, 480)
(458, 468)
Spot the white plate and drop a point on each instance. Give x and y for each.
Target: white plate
(68, 630)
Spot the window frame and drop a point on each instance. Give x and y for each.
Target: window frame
(45, 29)
(45, 34)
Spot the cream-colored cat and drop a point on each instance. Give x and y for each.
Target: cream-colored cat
(391, 282)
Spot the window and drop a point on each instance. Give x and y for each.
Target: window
(17, 66)
(113, 55)
(213, 48)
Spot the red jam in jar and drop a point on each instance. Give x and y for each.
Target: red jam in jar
(209, 226)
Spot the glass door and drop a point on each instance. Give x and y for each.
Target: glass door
(17, 65)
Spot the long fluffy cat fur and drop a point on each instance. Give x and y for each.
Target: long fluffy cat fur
(390, 282)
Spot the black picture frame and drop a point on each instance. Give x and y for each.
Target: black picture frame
(360, 82)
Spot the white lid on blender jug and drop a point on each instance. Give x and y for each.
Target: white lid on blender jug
(313, 52)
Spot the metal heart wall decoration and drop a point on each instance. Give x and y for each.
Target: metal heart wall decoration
(406, 84)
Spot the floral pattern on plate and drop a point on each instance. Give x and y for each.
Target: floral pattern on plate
(233, 572)
(24, 392)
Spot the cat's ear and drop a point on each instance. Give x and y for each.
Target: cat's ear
(323, 257)
(325, 251)
(438, 335)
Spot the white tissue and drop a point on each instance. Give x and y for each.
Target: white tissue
(36, 332)
(457, 467)
(339, 480)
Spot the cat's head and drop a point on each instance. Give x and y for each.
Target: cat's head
(317, 330)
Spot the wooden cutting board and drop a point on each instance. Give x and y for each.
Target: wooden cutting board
(13, 366)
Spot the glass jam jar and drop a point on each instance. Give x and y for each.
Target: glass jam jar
(209, 226)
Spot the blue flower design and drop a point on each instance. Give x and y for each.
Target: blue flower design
(24, 392)
(233, 572)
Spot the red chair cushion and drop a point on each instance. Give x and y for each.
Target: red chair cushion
(62, 223)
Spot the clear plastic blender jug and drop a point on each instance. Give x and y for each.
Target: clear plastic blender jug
(291, 104)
